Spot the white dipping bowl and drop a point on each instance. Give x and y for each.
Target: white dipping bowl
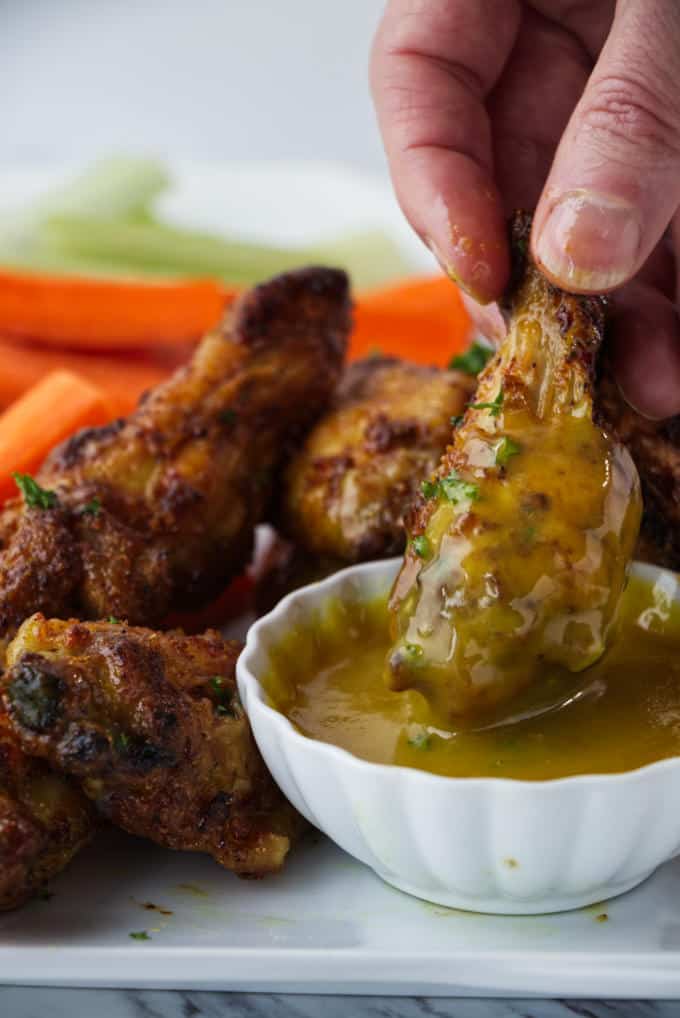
(482, 844)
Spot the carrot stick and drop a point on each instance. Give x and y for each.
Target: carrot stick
(96, 314)
(47, 414)
(123, 379)
(422, 320)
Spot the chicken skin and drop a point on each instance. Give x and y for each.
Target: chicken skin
(151, 726)
(347, 490)
(157, 512)
(44, 821)
(519, 547)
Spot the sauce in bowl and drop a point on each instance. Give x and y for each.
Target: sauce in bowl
(328, 678)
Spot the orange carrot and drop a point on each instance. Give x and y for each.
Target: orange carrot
(48, 413)
(422, 320)
(97, 314)
(123, 379)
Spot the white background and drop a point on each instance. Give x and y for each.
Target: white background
(209, 79)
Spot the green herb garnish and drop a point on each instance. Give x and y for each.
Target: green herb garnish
(420, 741)
(113, 620)
(92, 508)
(456, 420)
(421, 546)
(34, 496)
(228, 417)
(140, 935)
(217, 684)
(494, 407)
(506, 448)
(429, 488)
(457, 490)
(473, 360)
(122, 742)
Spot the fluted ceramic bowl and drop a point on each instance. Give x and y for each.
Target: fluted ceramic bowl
(482, 844)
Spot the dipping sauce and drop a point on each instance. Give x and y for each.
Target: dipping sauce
(623, 712)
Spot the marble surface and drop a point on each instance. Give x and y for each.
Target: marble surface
(48, 1003)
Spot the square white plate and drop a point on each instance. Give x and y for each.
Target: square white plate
(327, 924)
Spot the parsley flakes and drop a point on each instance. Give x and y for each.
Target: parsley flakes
(494, 407)
(421, 546)
(34, 496)
(473, 360)
(506, 448)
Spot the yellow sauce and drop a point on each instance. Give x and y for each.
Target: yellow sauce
(621, 713)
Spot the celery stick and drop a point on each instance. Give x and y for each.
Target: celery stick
(155, 248)
(113, 188)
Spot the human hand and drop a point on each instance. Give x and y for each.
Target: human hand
(572, 108)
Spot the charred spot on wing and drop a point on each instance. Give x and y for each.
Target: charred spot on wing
(74, 450)
(34, 694)
(83, 744)
(141, 754)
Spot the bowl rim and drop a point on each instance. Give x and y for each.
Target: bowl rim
(398, 772)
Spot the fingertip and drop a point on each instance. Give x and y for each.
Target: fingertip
(455, 208)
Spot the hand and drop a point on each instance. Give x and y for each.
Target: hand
(572, 108)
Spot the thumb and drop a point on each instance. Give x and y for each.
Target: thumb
(615, 181)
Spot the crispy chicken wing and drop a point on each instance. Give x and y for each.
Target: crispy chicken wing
(157, 511)
(44, 821)
(655, 448)
(151, 726)
(519, 548)
(347, 490)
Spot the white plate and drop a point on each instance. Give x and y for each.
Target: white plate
(326, 924)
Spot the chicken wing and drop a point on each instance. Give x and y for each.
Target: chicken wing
(519, 547)
(44, 821)
(157, 511)
(347, 490)
(151, 726)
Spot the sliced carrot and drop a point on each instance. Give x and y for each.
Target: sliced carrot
(97, 314)
(123, 379)
(47, 414)
(422, 320)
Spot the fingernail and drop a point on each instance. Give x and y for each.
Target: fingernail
(477, 295)
(589, 242)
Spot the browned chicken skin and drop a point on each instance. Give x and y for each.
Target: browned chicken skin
(348, 488)
(157, 511)
(151, 726)
(44, 821)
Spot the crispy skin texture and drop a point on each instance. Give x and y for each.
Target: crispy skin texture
(44, 821)
(183, 481)
(522, 541)
(151, 726)
(347, 490)
(655, 448)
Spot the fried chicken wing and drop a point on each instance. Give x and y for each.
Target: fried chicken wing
(151, 726)
(347, 490)
(655, 448)
(44, 821)
(519, 548)
(157, 511)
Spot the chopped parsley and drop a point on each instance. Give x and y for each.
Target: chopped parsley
(456, 490)
(429, 488)
(217, 684)
(420, 741)
(92, 508)
(456, 420)
(113, 620)
(228, 417)
(506, 448)
(494, 407)
(122, 742)
(473, 360)
(140, 935)
(421, 546)
(413, 650)
(34, 496)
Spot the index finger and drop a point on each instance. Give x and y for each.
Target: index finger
(432, 65)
